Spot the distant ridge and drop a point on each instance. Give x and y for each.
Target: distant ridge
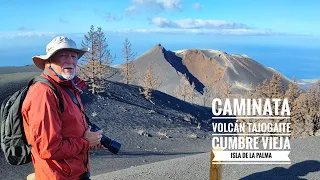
(204, 67)
(156, 56)
(18, 69)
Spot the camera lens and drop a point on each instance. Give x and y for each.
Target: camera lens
(112, 145)
(115, 147)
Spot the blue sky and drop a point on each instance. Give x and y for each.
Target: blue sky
(262, 17)
(258, 28)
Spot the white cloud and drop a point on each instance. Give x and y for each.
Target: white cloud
(131, 11)
(163, 22)
(170, 4)
(202, 26)
(197, 6)
(24, 28)
(107, 16)
(196, 24)
(159, 4)
(204, 31)
(10, 35)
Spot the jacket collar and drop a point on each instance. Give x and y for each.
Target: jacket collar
(76, 83)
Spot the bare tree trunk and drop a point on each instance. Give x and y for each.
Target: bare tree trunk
(128, 57)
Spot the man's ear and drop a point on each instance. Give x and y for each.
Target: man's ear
(48, 62)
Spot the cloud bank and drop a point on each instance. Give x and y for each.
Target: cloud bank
(197, 24)
(197, 6)
(154, 6)
(24, 28)
(107, 16)
(204, 31)
(131, 11)
(159, 4)
(10, 35)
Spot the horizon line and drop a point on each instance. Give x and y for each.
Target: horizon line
(17, 33)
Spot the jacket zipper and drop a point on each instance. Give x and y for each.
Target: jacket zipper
(85, 155)
(85, 158)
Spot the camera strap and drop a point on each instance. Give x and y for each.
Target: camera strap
(75, 101)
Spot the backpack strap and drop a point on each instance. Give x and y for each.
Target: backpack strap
(47, 82)
(75, 101)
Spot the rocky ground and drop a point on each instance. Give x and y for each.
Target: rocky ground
(304, 158)
(164, 129)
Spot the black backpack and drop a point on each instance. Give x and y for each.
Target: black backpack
(13, 140)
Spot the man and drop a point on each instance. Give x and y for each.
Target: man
(60, 141)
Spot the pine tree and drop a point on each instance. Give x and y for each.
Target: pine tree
(298, 113)
(182, 90)
(104, 57)
(314, 107)
(95, 67)
(317, 110)
(293, 91)
(206, 96)
(305, 113)
(268, 90)
(149, 82)
(226, 89)
(104, 60)
(302, 122)
(276, 87)
(262, 90)
(128, 69)
(292, 94)
(276, 90)
(87, 68)
(192, 94)
(215, 89)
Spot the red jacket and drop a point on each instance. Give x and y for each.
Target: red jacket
(59, 150)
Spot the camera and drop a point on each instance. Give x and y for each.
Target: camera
(112, 145)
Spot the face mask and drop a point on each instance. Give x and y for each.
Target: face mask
(68, 76)
(63, 76)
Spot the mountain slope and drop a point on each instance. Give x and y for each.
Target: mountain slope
(148, 132)
(204, 68)
(168, 75)
(210, 66)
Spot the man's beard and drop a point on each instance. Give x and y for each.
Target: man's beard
(68, 76)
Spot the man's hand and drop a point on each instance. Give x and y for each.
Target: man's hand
(99, 146)
(93, 138)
